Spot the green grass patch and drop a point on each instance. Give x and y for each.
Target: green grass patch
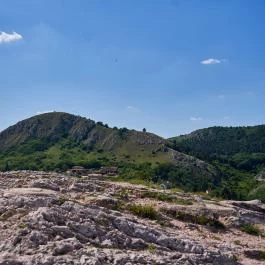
(144, 211)
(164, 197)
(195, 219)
(22, 225)
(152, 248)
(123, 194)
(252, 230)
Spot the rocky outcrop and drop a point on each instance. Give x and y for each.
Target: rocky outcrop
(59, 220)
(49, 126)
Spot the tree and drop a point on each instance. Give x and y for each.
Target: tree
(144, 130)
(123, 132)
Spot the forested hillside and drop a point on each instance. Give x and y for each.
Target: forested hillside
(240, 147)
(237, 152)
(223, 161)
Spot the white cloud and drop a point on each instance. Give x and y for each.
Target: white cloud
(212, 61)
(45, 111)
(196, 118)
(6, 38)
(227, 117)
(132, 108)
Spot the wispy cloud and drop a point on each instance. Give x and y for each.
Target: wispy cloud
(213, 61)
(196, 118)
(45, 111)
(132, 108)
(6, 38)
(227, 117)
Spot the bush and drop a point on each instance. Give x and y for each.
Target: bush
(123, 194)
(196, 219)
(255, 254)
(122, 132)
(144, 211)
(251, 230)
(152, 248)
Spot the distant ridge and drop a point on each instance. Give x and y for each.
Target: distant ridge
(242, 146)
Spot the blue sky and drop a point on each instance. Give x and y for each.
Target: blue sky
(171, 66)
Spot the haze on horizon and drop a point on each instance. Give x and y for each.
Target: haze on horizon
(171, 66)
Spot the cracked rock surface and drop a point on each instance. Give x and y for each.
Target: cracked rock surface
(48, 218)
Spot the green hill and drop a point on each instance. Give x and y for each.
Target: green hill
(238, 152)
(222, 160)
(58, 141)
(241, 147)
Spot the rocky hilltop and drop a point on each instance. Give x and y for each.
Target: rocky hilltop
(58, 141)
(55, 126)
(50, 218)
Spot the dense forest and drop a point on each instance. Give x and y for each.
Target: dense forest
(240, 147)
(238, 152)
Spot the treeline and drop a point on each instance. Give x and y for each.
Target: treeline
(240, 147)
(228, 184)
(43, 154)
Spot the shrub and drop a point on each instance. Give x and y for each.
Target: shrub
(152, 248)
(123, 194)
(122, 132)
(252, 230)
(255, 254)
(144, 211)
(196, 219)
